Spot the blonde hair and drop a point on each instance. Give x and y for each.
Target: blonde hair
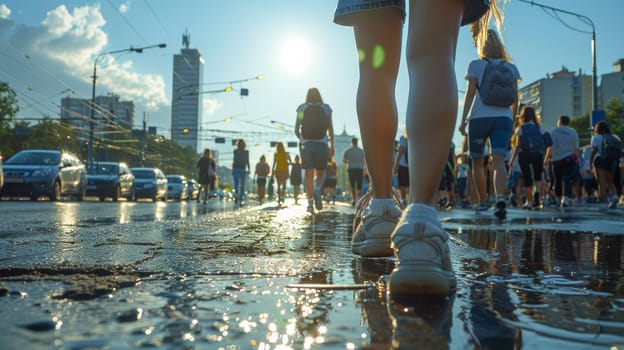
(493, 47)
(481, 34)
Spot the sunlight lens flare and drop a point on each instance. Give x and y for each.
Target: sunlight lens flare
(294, 55)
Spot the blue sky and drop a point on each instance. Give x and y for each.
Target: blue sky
(48, 46)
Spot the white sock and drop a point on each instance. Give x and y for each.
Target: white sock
(377, 204)
(423, 210)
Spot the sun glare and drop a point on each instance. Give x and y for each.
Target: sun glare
(294, 55)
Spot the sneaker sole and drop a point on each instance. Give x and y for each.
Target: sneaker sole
(421, 281)
(373, 248)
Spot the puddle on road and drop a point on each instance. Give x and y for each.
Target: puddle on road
(518, 287)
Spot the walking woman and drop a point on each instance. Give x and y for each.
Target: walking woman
(262, 171)
(606, 152)
(207, 174)
(281, 160)
(331, 179)
(529, 147)
(295, 177)
(484, 119)
(240, 169)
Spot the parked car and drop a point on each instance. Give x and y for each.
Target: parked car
(110, 179)
(38, 172)
(193, 189)
(177, 188)
(149, 183)
(1, 173)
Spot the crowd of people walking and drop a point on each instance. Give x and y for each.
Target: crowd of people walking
(507, 157)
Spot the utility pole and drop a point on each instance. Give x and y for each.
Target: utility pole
(144, 138)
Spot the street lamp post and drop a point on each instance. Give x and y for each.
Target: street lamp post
(92, 119)
(586, 20)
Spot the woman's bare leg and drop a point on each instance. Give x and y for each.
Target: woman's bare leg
(378, 39)
(432, 104)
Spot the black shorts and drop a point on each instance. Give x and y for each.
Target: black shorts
(261, 181)
(355, 177)
(330, 182)
(403, 176)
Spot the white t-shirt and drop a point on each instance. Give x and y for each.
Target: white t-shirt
(479, 109)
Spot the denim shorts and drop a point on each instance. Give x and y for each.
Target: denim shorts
(497, 129)
(609, 165)
(314, 155)
(347, 10)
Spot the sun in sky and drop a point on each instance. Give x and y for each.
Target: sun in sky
(294, 54)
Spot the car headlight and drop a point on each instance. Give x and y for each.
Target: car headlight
(42, 172)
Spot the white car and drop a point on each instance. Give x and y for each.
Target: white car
(177, 187)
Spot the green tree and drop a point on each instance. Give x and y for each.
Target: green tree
(8, 104)
(8, 110)
(614, 111)
(615, 114)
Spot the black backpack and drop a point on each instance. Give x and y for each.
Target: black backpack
(315, 122)
(498, 85)
(611, 148)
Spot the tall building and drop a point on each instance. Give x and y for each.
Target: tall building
(612, 84)
(560, 93)
(186, 100)
(110, 113)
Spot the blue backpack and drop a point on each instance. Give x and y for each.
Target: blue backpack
(498, 84)
(532, 140)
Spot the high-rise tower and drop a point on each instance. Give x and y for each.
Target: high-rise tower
(186, 101)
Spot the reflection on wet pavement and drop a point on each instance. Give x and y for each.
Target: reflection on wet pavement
(191, 276)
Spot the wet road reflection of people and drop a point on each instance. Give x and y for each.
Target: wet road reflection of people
(545, 282)
(413, 324)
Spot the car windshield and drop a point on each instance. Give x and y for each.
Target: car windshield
(35, 158)
(104, 169)
(174, 179)
(143, 174)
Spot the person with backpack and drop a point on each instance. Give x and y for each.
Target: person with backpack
(529, 146)
(606, 152)
(314, 129)
(490, 103)
(207, 174)
(262, 171)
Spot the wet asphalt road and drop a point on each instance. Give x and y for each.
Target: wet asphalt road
(175, 275)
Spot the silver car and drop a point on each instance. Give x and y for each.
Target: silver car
(34, 173)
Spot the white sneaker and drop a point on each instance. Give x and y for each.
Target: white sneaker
(565, 202)
(372, 236)
(424, 259)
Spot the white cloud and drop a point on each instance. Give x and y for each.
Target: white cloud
(210, 106)
(70, 41)
(5, 12)
(123, 8)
